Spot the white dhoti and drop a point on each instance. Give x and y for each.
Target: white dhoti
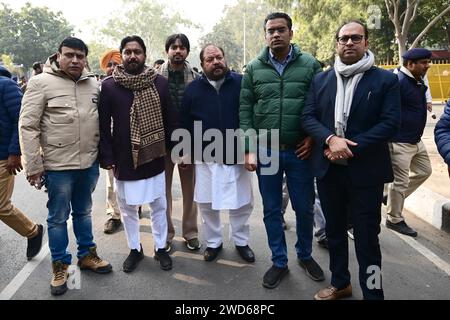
(224, 187)
(131, 195)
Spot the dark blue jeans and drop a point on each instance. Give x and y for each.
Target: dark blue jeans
(70, 190)
(300, 184)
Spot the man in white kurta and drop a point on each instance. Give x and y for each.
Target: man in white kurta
(137, 102)
(220, 182)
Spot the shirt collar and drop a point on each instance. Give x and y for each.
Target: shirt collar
(288, 57)
(407, 72)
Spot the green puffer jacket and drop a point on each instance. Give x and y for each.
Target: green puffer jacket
(271, 101)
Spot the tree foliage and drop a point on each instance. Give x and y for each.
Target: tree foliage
(229, 31)
(31, 34)
(439, 35)
(8, 63)
(316, 22)
(96, 50)
(403, 16)
(148, 19)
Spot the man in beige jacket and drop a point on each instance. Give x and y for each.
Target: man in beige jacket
(59, 136)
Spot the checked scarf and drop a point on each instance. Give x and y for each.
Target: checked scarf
(146, 121)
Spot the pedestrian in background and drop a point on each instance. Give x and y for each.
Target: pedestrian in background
(11, 164)
(108, 62)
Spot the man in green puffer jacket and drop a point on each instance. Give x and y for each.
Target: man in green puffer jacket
(273, 93)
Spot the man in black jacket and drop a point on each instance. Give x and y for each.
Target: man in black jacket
(352, 111)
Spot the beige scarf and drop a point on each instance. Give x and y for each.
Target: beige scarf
(146, 121)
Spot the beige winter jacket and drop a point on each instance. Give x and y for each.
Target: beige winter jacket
(58, 123)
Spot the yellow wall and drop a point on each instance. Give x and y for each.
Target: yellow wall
(439, 78)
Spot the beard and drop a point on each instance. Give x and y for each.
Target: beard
(177, 60)
(216, 75)
(134, 67)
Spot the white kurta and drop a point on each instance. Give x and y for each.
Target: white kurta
(137, 193)
(226, 187)
(132, 194)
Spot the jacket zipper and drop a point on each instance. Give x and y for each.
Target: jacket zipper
(281, 88)
(281, 104)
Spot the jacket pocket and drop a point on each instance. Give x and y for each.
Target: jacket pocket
(60, 141)
(61, 110)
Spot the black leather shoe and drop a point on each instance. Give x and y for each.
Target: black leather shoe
(133, 260)
(211, 253)
(402, 228)
(246, 253)
(312, 269)
(165, 261)
(35, 243)
(273, 276)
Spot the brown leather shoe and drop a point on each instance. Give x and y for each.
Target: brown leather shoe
(332, 293)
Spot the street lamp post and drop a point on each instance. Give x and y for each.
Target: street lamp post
(245, 36)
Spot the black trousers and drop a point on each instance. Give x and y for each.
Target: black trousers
(340, 197)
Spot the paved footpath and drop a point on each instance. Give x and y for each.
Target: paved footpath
(412, 268)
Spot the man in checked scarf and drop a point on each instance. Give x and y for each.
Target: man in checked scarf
(137, 101)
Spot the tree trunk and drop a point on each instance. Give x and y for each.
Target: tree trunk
(448, 37)
(401, 47)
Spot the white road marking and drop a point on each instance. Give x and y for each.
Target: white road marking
(233, 264)
(187, 255)
(199, 257)
(191, 280)
(23, 275)
(427, 253)
(15, 284)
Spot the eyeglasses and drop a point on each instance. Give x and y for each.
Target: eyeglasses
(271, 32)
(356, 38)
